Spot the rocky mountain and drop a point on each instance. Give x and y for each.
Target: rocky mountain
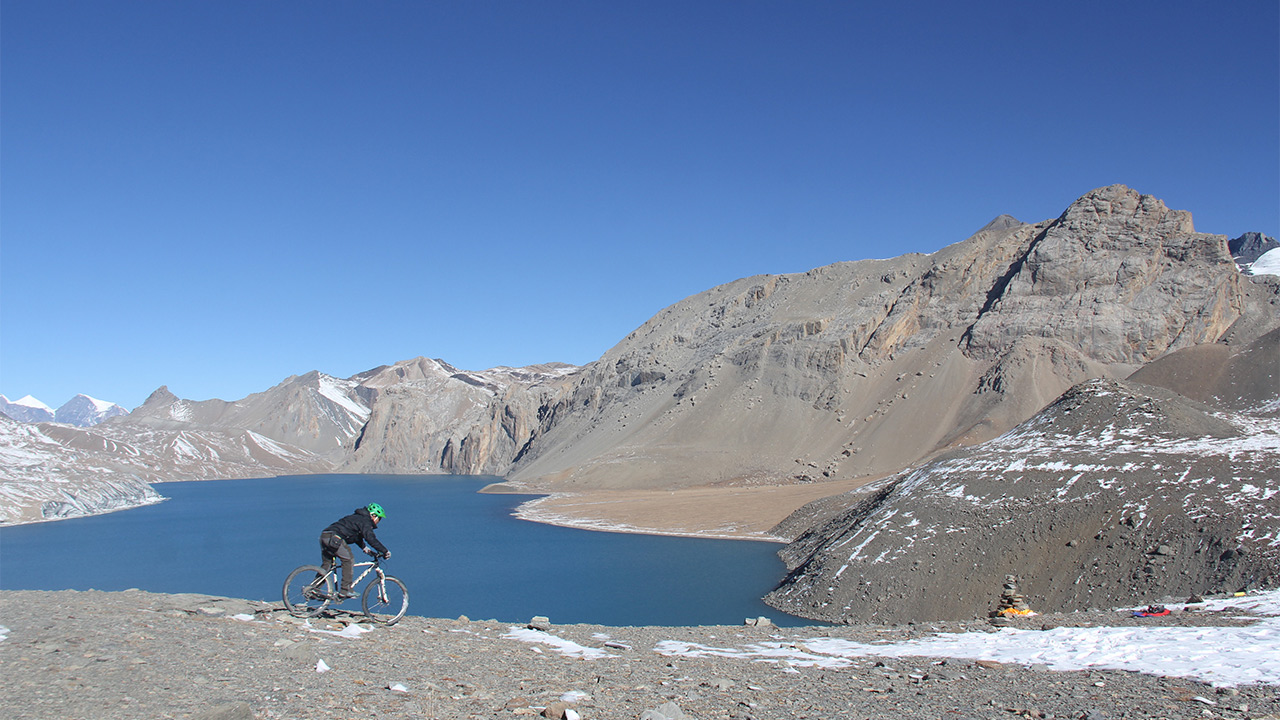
(1251, 246)
(81, 411)
(457, 422)
(26, 409)
(1116, 493)
(860, 369)
(428, 416)
(85, 411)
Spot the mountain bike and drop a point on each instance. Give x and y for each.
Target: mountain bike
(309, 590)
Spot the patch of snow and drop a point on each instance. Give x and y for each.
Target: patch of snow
(335, 391)
(1267, 264)
(1221, 656)
(568, 648)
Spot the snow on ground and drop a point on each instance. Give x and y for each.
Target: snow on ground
(1221, 656)
(335, 391)
(1267, 264)
(568, 648)
(31, 402)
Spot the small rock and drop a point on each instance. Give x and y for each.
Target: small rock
(555, 711)
(540, 622)
(988, 664)
(300, 652)
(667, 711)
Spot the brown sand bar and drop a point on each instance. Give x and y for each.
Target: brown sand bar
(740, 513)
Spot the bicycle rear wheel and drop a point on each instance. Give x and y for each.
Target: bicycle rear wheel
(385, 601)
(305, 595)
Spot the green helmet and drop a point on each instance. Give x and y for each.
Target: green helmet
(376, 510)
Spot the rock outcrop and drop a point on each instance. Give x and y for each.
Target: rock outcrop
(428, 416)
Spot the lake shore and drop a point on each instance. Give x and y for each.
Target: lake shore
(733, 513)
(134, 654)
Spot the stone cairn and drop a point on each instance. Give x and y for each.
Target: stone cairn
(1011, 600)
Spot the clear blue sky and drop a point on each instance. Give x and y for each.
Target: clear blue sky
(216, 195)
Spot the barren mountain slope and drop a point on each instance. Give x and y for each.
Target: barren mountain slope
(859, 369)
(315, 412)
(1118, 493)
(1238, 378)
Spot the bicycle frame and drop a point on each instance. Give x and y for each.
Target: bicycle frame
(369, 565)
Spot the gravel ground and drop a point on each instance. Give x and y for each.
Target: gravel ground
(134, 654)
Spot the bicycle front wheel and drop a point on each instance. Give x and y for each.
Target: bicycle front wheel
(385, 600)
(307, 591)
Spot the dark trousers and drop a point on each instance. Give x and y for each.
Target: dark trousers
(332, 546)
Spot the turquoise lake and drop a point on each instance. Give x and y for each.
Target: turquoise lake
(460, 553)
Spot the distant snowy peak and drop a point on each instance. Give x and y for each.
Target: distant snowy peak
(1249, 247)
(27, 409)
(81, 410)
(85, 411)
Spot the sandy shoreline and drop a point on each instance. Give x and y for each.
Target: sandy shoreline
(734, 513)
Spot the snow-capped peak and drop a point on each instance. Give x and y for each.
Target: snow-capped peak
(31, 402)
(85, 411)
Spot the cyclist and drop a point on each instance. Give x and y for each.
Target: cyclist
(354, 529)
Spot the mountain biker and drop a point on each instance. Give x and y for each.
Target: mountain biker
(354, 529)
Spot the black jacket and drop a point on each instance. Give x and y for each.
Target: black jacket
(357, 529)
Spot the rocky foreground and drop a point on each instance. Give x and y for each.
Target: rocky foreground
(141, 655)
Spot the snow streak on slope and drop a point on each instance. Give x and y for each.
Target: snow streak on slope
(42, 479)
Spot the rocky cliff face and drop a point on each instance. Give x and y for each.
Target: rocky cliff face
(1116, 494)
(859, 369)
(428, 416)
